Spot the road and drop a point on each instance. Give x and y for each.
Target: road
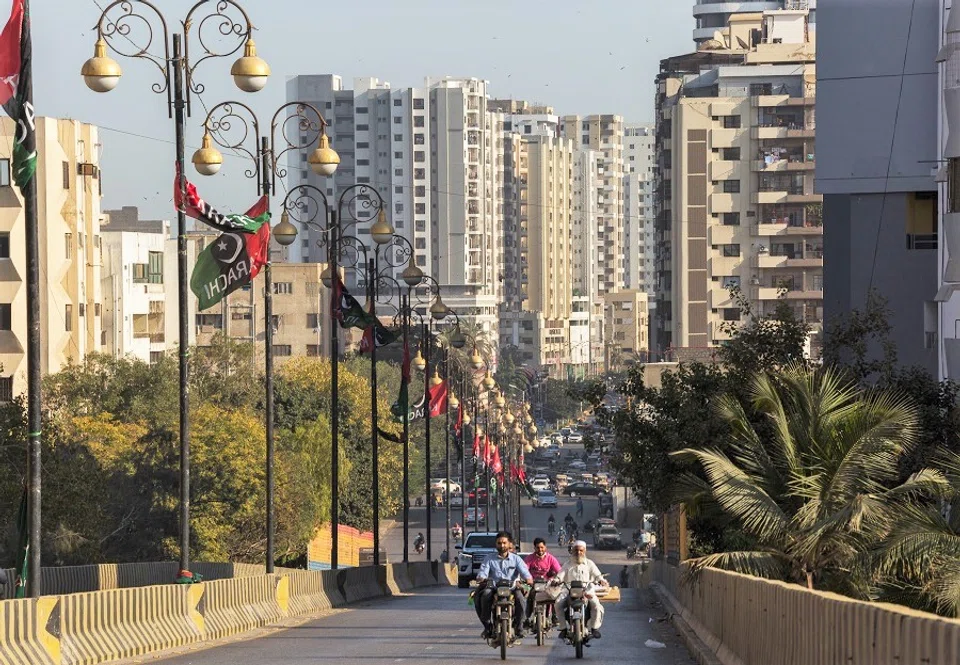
(438, 626)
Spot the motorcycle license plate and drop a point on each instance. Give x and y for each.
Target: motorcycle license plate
(577, 615)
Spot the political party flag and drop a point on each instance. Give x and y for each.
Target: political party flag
(16, 90)
(347, 309)
(496, 465)
(377, 332)
(232, 261)
(476, 445)
(193, 206)
(458, 424)
(438, 399)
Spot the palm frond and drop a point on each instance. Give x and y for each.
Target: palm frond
(768, 564)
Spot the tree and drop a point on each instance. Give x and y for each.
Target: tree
(821, 490)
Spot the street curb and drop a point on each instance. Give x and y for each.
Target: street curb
(697, 648)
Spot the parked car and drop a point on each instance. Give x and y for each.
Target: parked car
(607, 537)
(581, 489)
(545, 499)
(540, 483)
(578, 465)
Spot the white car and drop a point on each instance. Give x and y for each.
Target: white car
(545, 499)
(575, 437)
(438, 484)
(540, 483)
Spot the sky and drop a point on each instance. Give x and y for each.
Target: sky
(580, 57)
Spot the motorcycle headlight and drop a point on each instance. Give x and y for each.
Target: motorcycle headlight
(576, 592)
(503, 592)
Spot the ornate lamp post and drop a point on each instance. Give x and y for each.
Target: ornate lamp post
(229, 125)
(117, 29)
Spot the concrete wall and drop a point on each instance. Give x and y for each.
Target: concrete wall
(858, 248)
(742, 620)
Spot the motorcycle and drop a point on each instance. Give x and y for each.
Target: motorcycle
(419, 546)
(542, 609)
(551, 527)
(502, 636)
(577, 617)
(632, 552)
(457, 533)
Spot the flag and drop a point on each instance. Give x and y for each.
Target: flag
(193, 206)
(233, 260)
(377, 331)
(476, 445)
(487, 453)
(438, 399)
(496, 465)
(347, 309)
(403, 399)
(23, 547)
(16, 90)
(458, 424)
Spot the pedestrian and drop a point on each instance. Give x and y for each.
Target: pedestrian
(579, 506)
(624, 577)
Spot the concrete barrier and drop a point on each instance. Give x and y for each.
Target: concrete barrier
(241, 604)
(99, 626)
(358, 584)
(388, 579)
(401, 575)
(421, 574)
(746, 620)
(30, 632)
(309, 592)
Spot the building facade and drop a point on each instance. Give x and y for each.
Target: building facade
(68, 207)
(734, 201)
(714, 15)
(876, 170)
(639, 150)
(134, 285)
(627, 325)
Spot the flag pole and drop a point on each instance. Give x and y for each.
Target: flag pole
(427, 343)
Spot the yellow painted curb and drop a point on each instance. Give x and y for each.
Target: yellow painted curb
(196, 604)
(48, 625)
(283, 594)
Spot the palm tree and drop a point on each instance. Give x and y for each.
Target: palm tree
(812, 478)
(918, 562)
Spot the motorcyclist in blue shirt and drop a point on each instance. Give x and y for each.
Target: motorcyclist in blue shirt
(503, 565)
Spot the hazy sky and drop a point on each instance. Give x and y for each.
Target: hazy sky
(580, 57)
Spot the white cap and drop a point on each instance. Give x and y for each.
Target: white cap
(580, 543)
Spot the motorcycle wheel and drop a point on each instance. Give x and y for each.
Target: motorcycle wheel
(540, 630)
(578, 637)
(504, 636)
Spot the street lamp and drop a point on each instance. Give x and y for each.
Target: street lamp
(119, 22)
(229, 125)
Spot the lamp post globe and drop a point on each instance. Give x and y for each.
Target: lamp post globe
(501, 402)
(438, 310)
(488, 381)
(327, 277)
(466, 419)
(285, 233)
(457, 339)
(419, 361)
(476, 360)
(435, 380)
(250, 72)
(412, 275)
(509, 418)
(453, 402)
(324, 160)
(101, 73)
(207, 160)
(382, 230)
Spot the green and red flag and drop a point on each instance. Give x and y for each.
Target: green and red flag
(496, 465)
(236, 257)
(347, 309)
(377, 333)
(403, 399)
(16, 90)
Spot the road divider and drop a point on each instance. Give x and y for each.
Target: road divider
(94, 627)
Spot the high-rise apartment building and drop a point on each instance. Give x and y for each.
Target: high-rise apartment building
(586, 319)
(435, 154)
(714, 15)
(604, 134)
(133, 285)
(639, 149)
(877, 140)
(627, 326)
(68, 207)
(735, 204)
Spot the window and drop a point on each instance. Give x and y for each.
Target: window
(214, 320)
(398, 207)
(398, 155)
(139, 273)
(240, 316)
(731, 186)
(5, 322)
(6, 389)
(421, 243)
(731, 122)
(4, 172)
(4, 245)
(397, 120)
(66, 175)
(730, 250)
(731, 314)
(156, 356)
(283, 288)
(731, 282)
(363, 162)
(761, 89)
(398, 102)
(363, 128)
(398, 137)
(421, 226)
(361, 110)
(419, 174)
(398, 172)
(282, 350)
(96, 309)
(155, 268)
(68, 317)
(421, 260)
(420, 190)
(68, 246)
(730, 154)
(83, 309)
(731, 219)
(418, 139)
(362, 145)
(419, 156)
(313, 350)
(418, 121)
(418, 104)
(420, 208)
(313, 321)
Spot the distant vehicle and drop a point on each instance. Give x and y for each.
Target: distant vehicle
(607, 536)
(456, 500)
(476, 547)
(540, 483)
(575, 437)
(562, 480)
(565, 431)
(471, 517)
(545, 441)
(579, 465)
(557, 438)
(545, 499)
(605, 504)
(438, 484)
(581, 489)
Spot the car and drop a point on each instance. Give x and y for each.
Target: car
(470, 518)
(476, 547)
(540, 483)
(578, 465)
(581, 489)
(438, 484)
(565, 432)
(545, 499)
(456, 500)
(607, 536)
(575, 437)
(472, 496)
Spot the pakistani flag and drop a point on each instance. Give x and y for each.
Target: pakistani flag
(16, 90)
(402, 404)
(347, 309)
(194, 206)
(234, 259)
(377, 333)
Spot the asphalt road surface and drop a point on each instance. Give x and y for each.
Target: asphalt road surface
(438, 626)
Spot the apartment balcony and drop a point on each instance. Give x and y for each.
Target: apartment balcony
(768, 101)
(725, 138)
(790, 164)
(718, 234)
(724, 265)
(720, 170)
(764, 293)
(803, 197)
(719, 297)
(768, 261)
(770, 198)
(717, 332)
(809, 260)
(805, 295)
(723, 203)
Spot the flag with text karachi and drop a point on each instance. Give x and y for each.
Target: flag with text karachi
(16, 85)
(438, 399)
(236, 257)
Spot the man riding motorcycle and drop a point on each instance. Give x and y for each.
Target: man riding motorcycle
(503, 565)
(457, 531)
(581, 569)
(551, 524)
(543, 566)
(419, 542)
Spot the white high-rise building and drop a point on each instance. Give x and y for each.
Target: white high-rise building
(435, 155)
(586, 319)
(639, 150)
